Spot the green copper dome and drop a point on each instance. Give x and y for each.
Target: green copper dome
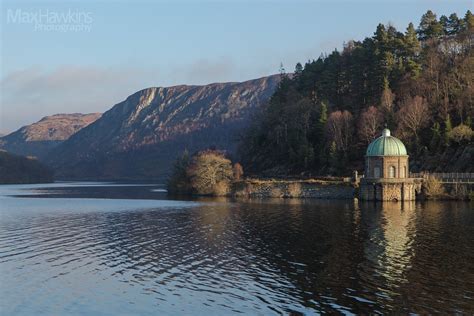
(386, 145)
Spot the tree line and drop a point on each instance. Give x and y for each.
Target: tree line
(418, 83)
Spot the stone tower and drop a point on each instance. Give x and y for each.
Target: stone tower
(386, 176)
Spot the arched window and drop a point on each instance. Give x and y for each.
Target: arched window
(391, 172)
(376, 172)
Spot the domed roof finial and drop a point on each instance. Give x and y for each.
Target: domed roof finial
(386, 145)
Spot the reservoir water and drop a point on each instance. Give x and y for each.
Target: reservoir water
(108, 249)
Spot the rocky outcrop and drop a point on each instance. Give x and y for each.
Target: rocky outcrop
(141, 136)
(39, 138)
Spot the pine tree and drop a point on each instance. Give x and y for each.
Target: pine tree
(298, 73)
(411, 51)
(178, 181)
(444, 21)
(381, 36)
(429, 26)
(364, 74)
(469, 21)
(454, 24)
(282, 70)
(298, 69)
(411, 42)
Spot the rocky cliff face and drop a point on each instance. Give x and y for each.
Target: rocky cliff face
(141, 136)
(39, 138)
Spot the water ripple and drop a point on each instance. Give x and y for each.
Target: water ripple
(264, 257)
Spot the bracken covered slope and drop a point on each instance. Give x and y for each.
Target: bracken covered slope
(141, 136)
(39, 138)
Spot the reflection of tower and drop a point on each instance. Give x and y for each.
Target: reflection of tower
(398, 243)
(389, 249)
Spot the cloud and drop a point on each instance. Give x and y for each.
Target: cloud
(31, 93)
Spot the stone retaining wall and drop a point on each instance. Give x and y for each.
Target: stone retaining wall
(293, 189)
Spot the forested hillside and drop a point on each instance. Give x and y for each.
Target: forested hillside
(16, 169)
(418, 82)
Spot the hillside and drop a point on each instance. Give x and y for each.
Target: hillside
(39, 138)
(18, 169)
(141, 136)
(418, 82)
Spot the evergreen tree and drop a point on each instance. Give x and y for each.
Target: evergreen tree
(429, 26)
(282, 70)
(298, 72)
(454, 24)
(381, 36)
(293, 128)
(444, 21)
(469, 21)
(383, 59)
(411, 51)
(411, 42)
(178, 181)
(298, 69)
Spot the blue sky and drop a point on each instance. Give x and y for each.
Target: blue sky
(131, 45)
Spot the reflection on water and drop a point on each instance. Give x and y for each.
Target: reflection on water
(389, 246)
(215, 256)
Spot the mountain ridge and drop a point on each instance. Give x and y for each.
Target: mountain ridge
(40, 137)
(140, 136)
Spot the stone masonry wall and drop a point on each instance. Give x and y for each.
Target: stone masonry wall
(387, 191)
(293, 189)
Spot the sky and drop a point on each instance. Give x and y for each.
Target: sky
(85, 56)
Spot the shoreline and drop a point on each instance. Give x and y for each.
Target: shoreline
(302, 189)
(336, 188)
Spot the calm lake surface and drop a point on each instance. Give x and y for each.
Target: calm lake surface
(104, 249)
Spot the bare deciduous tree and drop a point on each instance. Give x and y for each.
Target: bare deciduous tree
(412, 116)
(340, 129)
(386, 100)
(210, 173)
(370, 124)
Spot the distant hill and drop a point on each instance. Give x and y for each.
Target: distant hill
(39, 138)
(17, 169)
(141, 136)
